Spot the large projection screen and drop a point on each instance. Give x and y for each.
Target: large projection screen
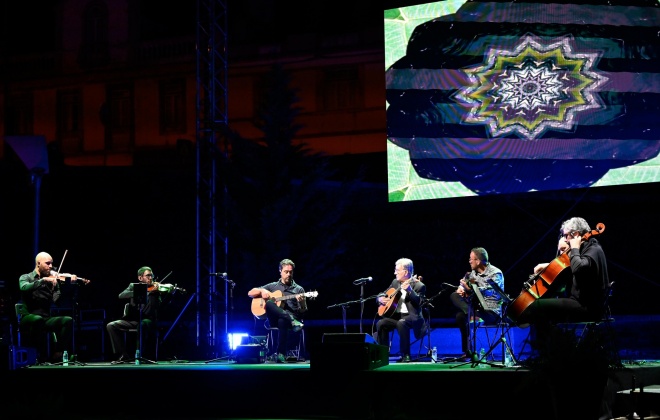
(488, 97)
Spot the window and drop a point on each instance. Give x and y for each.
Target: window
(19, 119)
(340, 89)
(69, 121)
(172, 106)
(119, 119)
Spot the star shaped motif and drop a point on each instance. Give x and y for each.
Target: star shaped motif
(539, 85)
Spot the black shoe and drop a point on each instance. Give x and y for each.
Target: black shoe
(280, 358)
(297, 325)
(404, 359)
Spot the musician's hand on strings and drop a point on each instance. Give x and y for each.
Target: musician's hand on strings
(265, 294)
(540, 267)
(406, 285)
(52, 280)
(463, 288)
(576, 240)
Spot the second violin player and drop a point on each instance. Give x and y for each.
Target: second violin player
(131, 316)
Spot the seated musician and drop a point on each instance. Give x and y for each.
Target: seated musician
(287, 317)
(463, 298)
(401, 307)
(587, 286)
(40, 289)
(137, 312)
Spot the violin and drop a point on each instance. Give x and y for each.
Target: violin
(164, 287)
(64, 277)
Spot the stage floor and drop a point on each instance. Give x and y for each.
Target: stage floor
(226, 389)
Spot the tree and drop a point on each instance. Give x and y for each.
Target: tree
(284, 200)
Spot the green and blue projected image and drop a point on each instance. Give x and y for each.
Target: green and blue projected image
(489, 97)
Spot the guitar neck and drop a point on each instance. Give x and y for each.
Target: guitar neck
(277, 299)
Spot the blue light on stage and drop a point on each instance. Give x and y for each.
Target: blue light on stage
(235, 339)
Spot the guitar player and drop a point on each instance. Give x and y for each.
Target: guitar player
(285, 314)
(481, 271)
(401, 308)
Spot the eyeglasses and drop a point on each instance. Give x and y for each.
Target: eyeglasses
(151, 276)
(569, 235)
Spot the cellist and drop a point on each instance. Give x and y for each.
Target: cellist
(589, 280)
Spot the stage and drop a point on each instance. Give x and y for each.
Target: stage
(370, 389)
(347, 376)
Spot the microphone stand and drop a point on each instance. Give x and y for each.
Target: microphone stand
(230, 304)
(361, 282)
(344, 305)
(361, 304)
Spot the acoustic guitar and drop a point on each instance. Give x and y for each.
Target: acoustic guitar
(259, 304)
(392, 297)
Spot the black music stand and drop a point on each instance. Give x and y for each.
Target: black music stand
(427, 305)
(476, 358)
(72, 286)
(140, 296)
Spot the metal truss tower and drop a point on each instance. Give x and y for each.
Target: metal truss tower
(211, 107)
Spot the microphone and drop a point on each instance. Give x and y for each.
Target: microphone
(218, 274)
(362, 280)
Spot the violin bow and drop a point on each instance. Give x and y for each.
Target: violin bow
(62, 262)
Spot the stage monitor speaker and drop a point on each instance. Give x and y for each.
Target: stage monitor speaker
(250, 354)
(349, 352)
(19, 357)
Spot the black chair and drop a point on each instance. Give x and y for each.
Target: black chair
(49, 336)
(596, 335)
(424, 338)
(137, 335)
(297, 353)
(495, 335)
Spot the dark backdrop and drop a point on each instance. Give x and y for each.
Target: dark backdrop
(114, 220)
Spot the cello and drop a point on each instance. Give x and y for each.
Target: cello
(548, 279)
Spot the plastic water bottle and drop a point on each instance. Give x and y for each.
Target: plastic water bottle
(137, 356)
(434, 354)
(482, 358)
(508, 361)
(65, 358)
